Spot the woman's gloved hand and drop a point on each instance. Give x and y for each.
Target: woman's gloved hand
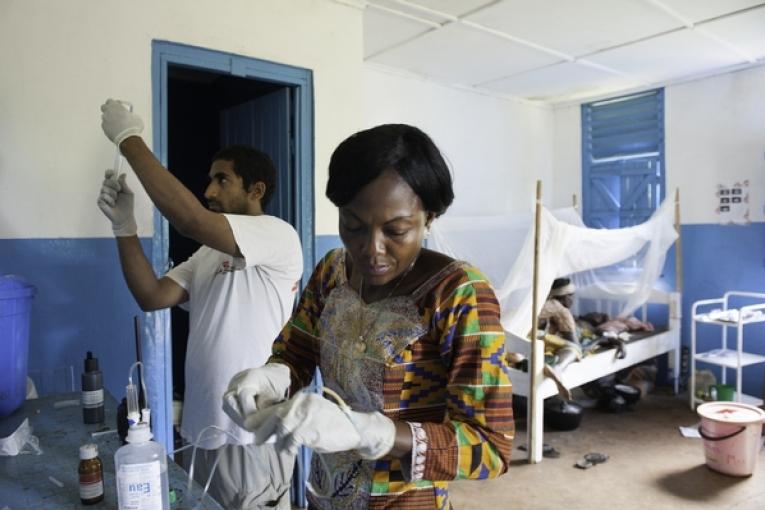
(378, 433)
(311, 420)
(255, 389)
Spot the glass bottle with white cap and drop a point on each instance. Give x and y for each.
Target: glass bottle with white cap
(91, 473)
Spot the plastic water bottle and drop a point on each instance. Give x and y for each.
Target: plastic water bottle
(141, 472)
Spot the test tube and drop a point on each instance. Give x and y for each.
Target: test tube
(118, 155)
(117, 162)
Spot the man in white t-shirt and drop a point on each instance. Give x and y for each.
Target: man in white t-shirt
(239, 288)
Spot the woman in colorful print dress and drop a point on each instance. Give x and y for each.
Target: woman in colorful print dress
(408, 342)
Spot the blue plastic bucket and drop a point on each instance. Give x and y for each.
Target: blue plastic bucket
(15, 306)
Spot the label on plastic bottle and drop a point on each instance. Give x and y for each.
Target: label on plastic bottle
(91, 399)
(139, 486)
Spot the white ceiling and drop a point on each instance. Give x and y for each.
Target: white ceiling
(563, 50)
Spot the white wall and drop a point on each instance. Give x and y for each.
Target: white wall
(567, 156)
(497, 148)
(60, 60)
(715, 134)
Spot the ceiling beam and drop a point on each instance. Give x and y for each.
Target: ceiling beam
(406, 15)
(705, 33)
(451, 18)
(685, 24)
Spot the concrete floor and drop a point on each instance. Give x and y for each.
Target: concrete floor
(650, 466)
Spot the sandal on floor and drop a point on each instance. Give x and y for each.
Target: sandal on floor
(590, 460)
(548, 451)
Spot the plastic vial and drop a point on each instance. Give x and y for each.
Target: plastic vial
(92, 391)
(91, 473)
(141, 472)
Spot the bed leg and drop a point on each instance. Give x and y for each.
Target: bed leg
(535, 423)
(535, 433)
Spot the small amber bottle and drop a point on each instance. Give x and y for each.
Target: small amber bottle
(91, 473)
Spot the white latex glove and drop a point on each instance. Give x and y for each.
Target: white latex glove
(116, 202)
(378, 433)
(306, 419)
(118, 122)
(254, 389)
(311, 420)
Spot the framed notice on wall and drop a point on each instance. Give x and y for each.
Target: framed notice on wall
(733, 203)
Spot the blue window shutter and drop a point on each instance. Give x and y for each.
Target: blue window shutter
(622, 159)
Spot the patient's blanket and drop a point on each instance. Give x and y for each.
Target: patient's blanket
(599, 332)
(621, 324)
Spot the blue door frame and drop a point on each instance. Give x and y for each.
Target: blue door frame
(158, 355)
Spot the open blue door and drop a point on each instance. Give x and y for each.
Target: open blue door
(264, 123)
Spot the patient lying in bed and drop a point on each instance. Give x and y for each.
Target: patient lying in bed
(562, 345)
(568, 339)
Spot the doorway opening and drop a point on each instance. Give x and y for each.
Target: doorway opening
(204, 100)
(207, 111)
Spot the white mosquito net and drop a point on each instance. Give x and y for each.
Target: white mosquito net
(616, 264)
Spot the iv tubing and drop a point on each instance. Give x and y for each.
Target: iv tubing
(195, 445)
(338, 399)
(143, 381)
(340, 402)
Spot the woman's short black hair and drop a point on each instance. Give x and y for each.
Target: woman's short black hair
(252, 166)
(363, 156)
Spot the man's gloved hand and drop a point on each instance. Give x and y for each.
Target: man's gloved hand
(118, 122)
(311, 420)
(254, 389)
(116, 202)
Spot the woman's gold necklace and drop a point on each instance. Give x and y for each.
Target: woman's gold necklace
(360, 344)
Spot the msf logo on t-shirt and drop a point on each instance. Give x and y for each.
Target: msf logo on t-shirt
(225, 267)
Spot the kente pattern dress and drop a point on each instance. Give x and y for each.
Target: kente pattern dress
(434, 358)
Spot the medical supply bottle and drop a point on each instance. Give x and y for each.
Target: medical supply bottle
(92, 391)
(91, 472)
(141, 472)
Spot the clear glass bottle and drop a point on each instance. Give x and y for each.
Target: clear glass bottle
(91, 472)
(141, 471)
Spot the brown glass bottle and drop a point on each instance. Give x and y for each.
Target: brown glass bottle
(91, 473)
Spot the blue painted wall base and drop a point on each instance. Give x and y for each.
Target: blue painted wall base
(82, 304)
(718, 259)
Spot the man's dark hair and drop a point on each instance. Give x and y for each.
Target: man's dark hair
(252, 166)
(363, 156)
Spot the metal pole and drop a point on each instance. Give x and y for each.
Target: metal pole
(678, 246)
